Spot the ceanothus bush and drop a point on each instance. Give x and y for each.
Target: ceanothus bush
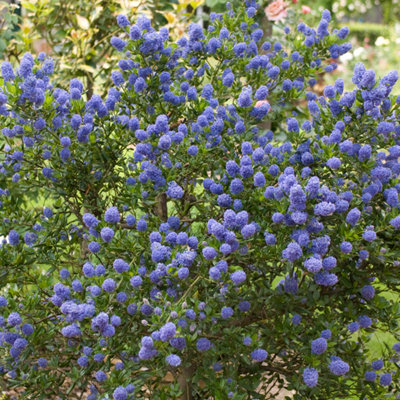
(162, 243)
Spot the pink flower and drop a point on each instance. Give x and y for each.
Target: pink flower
(305, 9)
(276, 10)
(261, 103)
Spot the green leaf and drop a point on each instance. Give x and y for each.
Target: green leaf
(213, 3)
(87, 68)
(82, 22)
(29, 6)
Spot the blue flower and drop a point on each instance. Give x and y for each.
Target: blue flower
(108, 285)
(122, 21)
(313, 264)
(136, 281)
(326, 334)
(174, 190)
(368, 292)
(296, 319)
(164, 142)
(76, 84)
(348, 99)
(107, 234)
(313, 108)
(48, 66)
(195, 32)
(14, 319)
(13, 237)
(385, 127)
(7, 71)
(117, 78)
(339, 367)
(377, 365)
(273, 72)
(334, 163)
(247, 341)
(207, 91)
(343, 32)
(236, 186)
(369, 235)
(238, 277)
(346, 247)
(259, 355)
(318, 346)
(115, 320)
(118, 43)
(209, 253)
(100, 376)
(203, 344)
(173, 360)
(364, 321)
(297, 198)
(370, 376)
(94, 247)
(224, 200)
(329, 91)
(3, 301)
(287, 85)
(42, 362)
(259, 179)
(324, 208)
(228, 79)
(290, 284)
(324, 278)
(193, 150)
(226, 312)
(120, 393)
(167, 332)
(90, 220)
(239, 49)
(140, 85)
(396, 347)
(292, 252)
(310, 377)
(353, 327)
(353, 216)
(26, 65)
(386, 379)
(83, 361)
(71, 331)
(112, 215)
(134, 32)
(244, 99)
(214, 273)
(293, 125)
(120, 265)
(248, 230)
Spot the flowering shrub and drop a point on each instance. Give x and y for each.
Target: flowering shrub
(158, 243)
(72, 33)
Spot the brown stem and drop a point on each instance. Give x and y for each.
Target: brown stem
(185, 382)
(161, 208)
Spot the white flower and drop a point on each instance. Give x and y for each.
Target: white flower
(381, 41)
(359, 51)
(346, 57)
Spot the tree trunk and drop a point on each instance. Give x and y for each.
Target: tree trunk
(185, 382)
(161, 208)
